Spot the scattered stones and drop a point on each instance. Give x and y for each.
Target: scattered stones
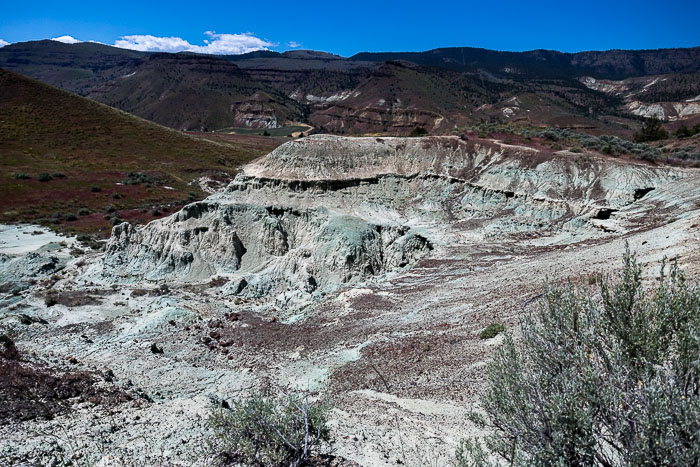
(28, 320)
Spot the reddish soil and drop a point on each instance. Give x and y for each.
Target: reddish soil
(31, 390)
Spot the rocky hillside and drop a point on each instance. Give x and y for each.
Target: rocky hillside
(363, 269)
(200, 93)
(326, 211)
(666, 97)
(391, 93)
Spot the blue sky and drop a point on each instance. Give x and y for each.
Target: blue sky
(349, 27)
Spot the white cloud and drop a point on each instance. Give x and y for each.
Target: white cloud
(66, 39)
(293, 45)
(3, 43)
(216, 44)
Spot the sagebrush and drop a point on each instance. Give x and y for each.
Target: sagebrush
(264, 431)
(602, 376)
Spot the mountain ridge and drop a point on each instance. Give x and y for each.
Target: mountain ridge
(441, 89)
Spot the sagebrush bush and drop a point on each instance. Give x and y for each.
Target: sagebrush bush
(265, 431)
(491, 331)
(602, 376)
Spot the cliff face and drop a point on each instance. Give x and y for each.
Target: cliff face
(326, 211)
(666, 97)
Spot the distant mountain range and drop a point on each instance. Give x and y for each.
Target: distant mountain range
(393, 93)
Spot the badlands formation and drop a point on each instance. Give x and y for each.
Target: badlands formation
(358, 268)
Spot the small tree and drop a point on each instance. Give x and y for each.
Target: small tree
(607, 378)
(651, 131)
(264, 431)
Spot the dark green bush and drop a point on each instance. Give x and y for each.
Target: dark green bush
(682, 132)
(84, 212)
(264, 431)
(418, 131)
(95, 189)
(139, 178)
(491, 331)
(603, 376)
(21, 176)
(44, 177)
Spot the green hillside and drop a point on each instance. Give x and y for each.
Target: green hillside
(88, 150)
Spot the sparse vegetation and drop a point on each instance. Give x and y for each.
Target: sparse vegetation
(605, 144)
(651, 131)
(43, 129)
(263, 430)
(685, 132)
(606, 376)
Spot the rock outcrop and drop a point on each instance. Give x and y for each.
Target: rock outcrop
(325, 211)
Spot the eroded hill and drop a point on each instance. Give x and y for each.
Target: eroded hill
(362, 268)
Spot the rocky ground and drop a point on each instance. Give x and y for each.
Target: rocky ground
(358, 268)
